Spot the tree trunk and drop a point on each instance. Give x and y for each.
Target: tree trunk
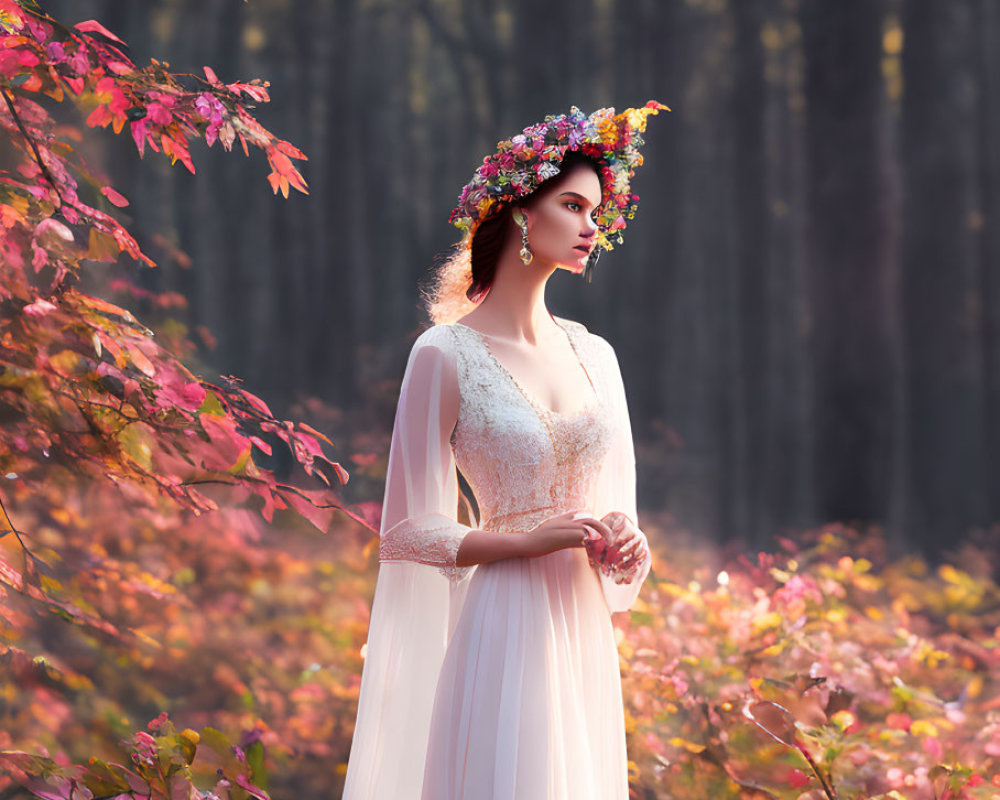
(849, 293)
(942, 273)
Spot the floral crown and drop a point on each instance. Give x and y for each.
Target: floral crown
(521, 164)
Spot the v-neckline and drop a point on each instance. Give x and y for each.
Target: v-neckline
(541, 409)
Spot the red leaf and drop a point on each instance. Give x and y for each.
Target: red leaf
(229, 446)
(93, 26)
(319, 517)
(212, 77)
(55, 788)
(272, 500)
(258, 93)
(775, 719)
(314, 432)
(173, 392)
(264, 446)
(139, 134)
(368, 513)
(797, 779)
(256, 402)
(121, 67)
(116, 198)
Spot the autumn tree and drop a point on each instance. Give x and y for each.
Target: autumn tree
(109, 444)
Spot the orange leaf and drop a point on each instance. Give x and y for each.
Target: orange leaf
(177, 150)
(143, 363)
(99, 117)
(290, 150)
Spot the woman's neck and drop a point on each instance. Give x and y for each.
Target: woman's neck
(514, 308)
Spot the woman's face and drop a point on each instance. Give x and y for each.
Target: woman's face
(560, 222)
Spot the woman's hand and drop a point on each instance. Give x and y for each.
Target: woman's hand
(571, 529)
(628, 546)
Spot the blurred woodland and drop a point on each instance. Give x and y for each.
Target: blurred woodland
(802, 310)
(806, 308)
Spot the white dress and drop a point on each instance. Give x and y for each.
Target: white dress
(497, 681)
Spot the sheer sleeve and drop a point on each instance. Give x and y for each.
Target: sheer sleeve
(419, 590)
(421, 488)
(615, 489)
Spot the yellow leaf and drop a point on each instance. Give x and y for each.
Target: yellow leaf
(843, 719)
(241, 462)
(952, 575)
(133, 443)
(774, 649)
(691, 747)
(766, 621)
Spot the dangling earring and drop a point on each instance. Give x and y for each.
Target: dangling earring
(522, 223)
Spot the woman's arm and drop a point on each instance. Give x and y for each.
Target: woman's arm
(564, 530)
(615, 490)
(481, 547)
(419, 510)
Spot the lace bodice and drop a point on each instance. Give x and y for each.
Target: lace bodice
(524, 462)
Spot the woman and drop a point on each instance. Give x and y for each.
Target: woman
(491, 669)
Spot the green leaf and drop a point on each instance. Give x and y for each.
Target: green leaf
(211, 404)
(255, 758)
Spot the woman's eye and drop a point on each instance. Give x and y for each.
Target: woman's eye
(573, 206)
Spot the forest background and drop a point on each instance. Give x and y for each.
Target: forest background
(802, 309)
(806, 307)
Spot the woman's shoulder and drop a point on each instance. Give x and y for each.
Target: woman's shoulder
(444, 341)
(440, 335)
(584, 335)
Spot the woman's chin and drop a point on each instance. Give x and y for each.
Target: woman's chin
(576, 267)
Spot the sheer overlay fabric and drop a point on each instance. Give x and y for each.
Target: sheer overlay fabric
(495, 681)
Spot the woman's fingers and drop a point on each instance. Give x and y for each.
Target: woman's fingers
(609, 540)
(589, 520)
(636, 557)
(616, 519)
(598, 525)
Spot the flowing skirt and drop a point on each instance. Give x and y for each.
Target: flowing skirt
(529, 703)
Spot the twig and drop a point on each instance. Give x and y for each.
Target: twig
(31, 143)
